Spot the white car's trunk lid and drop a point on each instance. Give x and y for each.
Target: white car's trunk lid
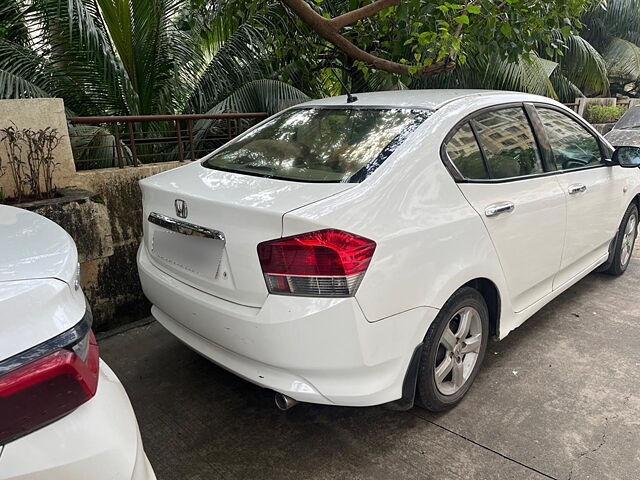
(232, 214)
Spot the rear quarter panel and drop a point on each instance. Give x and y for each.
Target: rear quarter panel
(430, 241)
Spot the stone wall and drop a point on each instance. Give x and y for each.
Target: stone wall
(110, 281)
(100, 209)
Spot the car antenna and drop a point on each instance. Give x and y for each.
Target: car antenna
(350, 97)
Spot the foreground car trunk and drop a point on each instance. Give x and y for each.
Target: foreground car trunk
(245, 210)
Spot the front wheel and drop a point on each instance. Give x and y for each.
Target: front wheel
(453, 350)
(625, 242)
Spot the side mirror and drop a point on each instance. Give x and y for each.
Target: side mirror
(628, 157)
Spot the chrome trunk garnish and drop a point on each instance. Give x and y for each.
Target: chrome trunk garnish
(185, 228)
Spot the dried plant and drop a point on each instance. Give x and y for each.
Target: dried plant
(3, 170)
(12, 141)
(29, 156)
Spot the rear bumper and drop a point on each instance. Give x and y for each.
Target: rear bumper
(99, 440)
(317, 350)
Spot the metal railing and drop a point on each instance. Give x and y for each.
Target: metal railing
(573, 106)
(119, 141)
(623, 102)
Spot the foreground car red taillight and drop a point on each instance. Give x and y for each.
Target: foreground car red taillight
(47, 382)
(325, 263)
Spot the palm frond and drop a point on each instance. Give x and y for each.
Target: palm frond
(265, 95)
(95, 147)
(15, 86)
(492, 72)
(623, 61)
(269, 96)
(241, 59)
(584, 66)
(11, 20)
(564, 88)
(616, 18)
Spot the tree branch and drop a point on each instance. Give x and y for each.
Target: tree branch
(353, 16)
(329, 30)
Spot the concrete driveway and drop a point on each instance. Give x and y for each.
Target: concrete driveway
(558, 399)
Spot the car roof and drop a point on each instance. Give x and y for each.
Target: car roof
(432, 99)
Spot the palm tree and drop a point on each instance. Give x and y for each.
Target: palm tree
(135, 57)
(614, 30)
(604, 59)
(579, 72)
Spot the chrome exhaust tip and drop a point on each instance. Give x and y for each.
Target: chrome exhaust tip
(283, 402)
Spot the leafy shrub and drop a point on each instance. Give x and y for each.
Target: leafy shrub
(604, 113)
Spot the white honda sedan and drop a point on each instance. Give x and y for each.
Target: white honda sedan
(64, 415)
(362, 253)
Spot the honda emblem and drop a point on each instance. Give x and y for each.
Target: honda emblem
(181, 208)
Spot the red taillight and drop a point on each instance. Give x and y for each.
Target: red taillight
(325, 263)
(47, 388)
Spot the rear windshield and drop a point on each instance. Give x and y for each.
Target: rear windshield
(319, 145)
(631, 119)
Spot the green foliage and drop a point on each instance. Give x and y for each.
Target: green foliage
(258, 96)
(419, 33)
(94, 147)
(604, 113)
(514, 45)
(184, 56)
(132, 57)
(614, 30)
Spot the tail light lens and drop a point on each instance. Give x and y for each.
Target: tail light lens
(325, 263)
(47, 382)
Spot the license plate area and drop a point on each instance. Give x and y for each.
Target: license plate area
(187, 247)
(198, 255)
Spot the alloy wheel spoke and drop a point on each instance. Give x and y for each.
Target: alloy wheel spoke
(458, 374)
(448, 339)
(624, 254)
(472, 344)
(630, 226)
(444, 368)
(465, 324)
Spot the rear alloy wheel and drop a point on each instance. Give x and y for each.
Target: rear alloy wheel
(454, 348)
(625, 242)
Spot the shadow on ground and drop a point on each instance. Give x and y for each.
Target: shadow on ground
(557, 399)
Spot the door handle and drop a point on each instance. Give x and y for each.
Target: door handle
(499, 208)
(577, 188)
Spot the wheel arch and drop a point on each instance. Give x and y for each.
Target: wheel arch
(491, 295)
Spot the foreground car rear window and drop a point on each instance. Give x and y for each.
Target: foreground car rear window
(319, 144)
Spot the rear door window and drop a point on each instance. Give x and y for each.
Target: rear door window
(508, 143)
(319, 144)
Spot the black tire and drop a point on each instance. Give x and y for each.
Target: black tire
(619, 263)
(428, 394)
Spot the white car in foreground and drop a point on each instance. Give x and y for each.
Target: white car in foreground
(64, 415)
(361, 253)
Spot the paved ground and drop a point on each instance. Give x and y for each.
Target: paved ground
(559, 398)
